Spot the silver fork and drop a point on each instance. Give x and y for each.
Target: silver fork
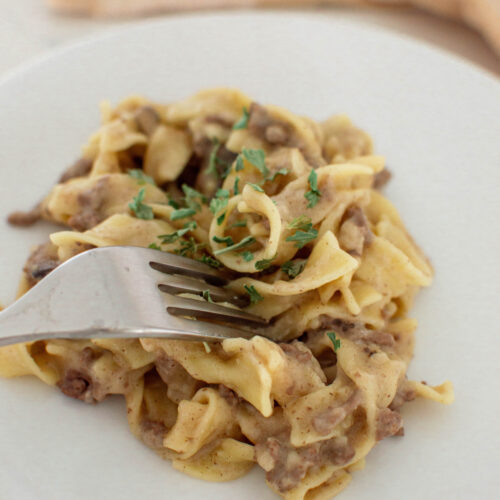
(127, 292)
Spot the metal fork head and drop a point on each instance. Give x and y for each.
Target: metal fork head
(124, 292)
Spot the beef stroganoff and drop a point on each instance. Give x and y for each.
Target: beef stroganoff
(290, 210)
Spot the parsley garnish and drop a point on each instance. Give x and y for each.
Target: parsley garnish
(293, 267)
(170, 238)
(243, 121)
(239, 223)
(182, 213)
(281, 171)
(221, 218)
(247, 256)
(302, 222)
(264, 263)
(189, 248)
(140, 209)
(174, 204)
(335, 341)
(235, 187)
(255, 296)
(190, 197)
(236, 246)
(302, 238)
(210, 261)
(207, 296)
(313, 195)
(257, 158)
(257, 188)
(239, 163)
(227, 240)
(212, 162)
(140, 177)
(154, 246)
(220, 201)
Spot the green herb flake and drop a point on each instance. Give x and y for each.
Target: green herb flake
(239, 164)
(154, 246)
(212, 162)
(281, 171)
(189, 247)
(236, 189)
(191, 196)
(302, 222)
(257, 158)
(182, 213)
(221, 218)
(172, 237)
(140, 209)
(257, 188)
(220, 200)
(174, 204)
(293, 267)
(210, 261)
(236, 246)
(302, 238)
(247, 256)
(260, 265)
(255, 296)
(313, 195)
(335, 341)
(140, 176)
(239, 223)
(243, 121)
(207, 296)
(227, 240)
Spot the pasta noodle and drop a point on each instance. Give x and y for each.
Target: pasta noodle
(290, 210)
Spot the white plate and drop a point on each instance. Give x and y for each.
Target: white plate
(434, 117)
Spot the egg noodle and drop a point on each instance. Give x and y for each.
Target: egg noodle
(290, 211)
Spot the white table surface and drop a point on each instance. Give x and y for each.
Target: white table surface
(28, 29)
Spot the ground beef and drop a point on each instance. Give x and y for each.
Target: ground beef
(153, 433)
(229, 396)
(24, 219)
(264, 126)
(380, 179)
(147, 120)
(41, 262)
(389, 423)
(301, 355)
(286, 465)
(78, 385)
(403, 395)
(80, 168)
(325, 421)
(90, 201)
(354, 232)
(180, 385)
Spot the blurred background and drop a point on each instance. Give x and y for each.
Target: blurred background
(469, 29)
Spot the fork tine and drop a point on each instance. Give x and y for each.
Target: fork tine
(176, 264)
(174, 285)
(181, 306)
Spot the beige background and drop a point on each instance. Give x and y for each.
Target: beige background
(28, 29)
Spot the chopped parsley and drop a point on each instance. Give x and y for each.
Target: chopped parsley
(313, 195)
(140, 176)
(243, 121)
(227, 240)
(234, 246)
(221, 218)
(293, 267)
(257, 158)
(219, 201)
(140, 209)
(260, 265)
(255, 296)
(302, 222)
(191, 195)
(281, 171)
(154, 246)
(207, 296)
(170, 238)
(236, 190)
(189, 248)
(210, 261)
(239, 163)
(239, 223)
(173, 203)
(335, 341)
(182, 213)
(247, 256)
(302, 238)
(257, 188)
(212, 162)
